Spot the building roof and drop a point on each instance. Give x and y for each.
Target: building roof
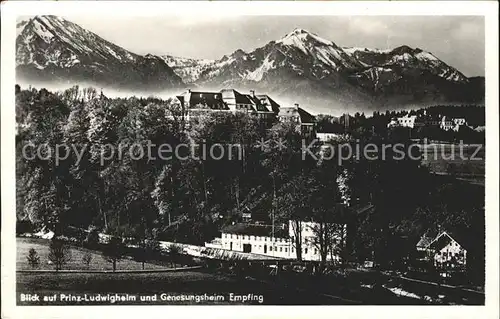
(410, 117)
(237, 96)
(445, 119)
(437, 240)
(305, 117)
(241, 98)
(270, 103)
(181, 98)
(424, 241)
(257, 103)
(427, 238)
(212, 100)
(441, 241)
(255, 230)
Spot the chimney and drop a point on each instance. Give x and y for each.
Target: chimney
(188, 90)
(296, 105)
(252, 92)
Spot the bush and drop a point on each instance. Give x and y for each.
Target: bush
(174, 252)
(59, 253)
(33, 258)
(148, 250)
(113, 251)
(75, 235)
(87, 259)
(67, 239)
(92, 240)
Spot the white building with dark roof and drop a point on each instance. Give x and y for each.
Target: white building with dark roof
(442, 250)
(447, 123)
(407, 121)
(278, 242)
(229, 100)
(191, 100)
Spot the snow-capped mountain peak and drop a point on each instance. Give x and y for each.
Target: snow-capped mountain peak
(307, 54)
(406, 57)
(351, 50)
(52, 48)
(63, 40)
(321, 51)
(300, 64)
(302, 39)
(187, 68)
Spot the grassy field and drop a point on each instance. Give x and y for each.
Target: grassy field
(171, 283)
(97, 263)
(290, 288)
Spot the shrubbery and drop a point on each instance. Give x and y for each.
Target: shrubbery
(92, 239)
(87, 259)
(59, 253)
(113, 251)
(33, 258)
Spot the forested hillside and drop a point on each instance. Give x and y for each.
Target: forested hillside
(187, 198)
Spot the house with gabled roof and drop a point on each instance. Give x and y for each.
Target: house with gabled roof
(261, 106)
(270, 104)
(447, 123)
(229, 100)
(237, 102)
(200, 101)
(295, 114)
(443, 250)
(263, 111)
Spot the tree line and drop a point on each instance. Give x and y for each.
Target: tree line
(188, 200)
(362, 126)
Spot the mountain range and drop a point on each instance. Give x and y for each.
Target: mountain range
(52, 49)
(299, 67)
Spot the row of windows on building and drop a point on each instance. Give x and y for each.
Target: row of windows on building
(451, 254)
(285, 249)
(252, 237)
(204, 107)
(216, 96)
(248, 107)
(292, 119)
(243, 107)
(405, 121)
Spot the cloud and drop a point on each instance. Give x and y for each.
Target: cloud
(201, 20)
(368, 25)
(469, 30)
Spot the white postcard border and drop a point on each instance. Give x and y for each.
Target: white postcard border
(11, 9)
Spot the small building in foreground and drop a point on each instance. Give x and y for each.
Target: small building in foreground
(443, 251)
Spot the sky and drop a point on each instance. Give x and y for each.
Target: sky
(457, 40)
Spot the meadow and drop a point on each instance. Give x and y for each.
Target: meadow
(97, 263)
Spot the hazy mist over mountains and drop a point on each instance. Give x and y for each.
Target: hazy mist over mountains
(300, 67)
